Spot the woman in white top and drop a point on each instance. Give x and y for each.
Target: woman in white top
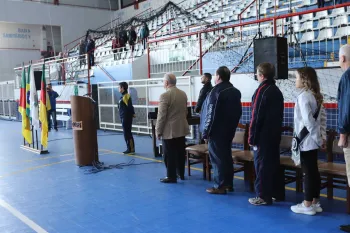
(309, 101)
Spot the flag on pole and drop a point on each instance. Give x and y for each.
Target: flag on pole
(33, 100)
(28, 92)
(22, 109)
(44, 107)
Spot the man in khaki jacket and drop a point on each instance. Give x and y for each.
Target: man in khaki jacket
(172, 127)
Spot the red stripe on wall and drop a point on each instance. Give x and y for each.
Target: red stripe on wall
(244, 104)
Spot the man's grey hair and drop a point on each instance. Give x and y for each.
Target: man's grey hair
(345, 51)
(171, 78)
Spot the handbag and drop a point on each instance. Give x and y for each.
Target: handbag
(298, 139)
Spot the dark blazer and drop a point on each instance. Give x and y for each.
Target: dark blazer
(202, 95)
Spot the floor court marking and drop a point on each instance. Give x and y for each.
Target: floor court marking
(45, 158)
(22, 217)
(199, 169)
(135, 156)
(41, 166)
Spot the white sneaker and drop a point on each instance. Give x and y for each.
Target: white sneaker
(317, 207)
(302, 209)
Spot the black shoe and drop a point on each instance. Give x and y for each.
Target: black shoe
(181, 177)
(128, 152)
(229, 188)
(345, 228)
(56, 129)
(168, 180)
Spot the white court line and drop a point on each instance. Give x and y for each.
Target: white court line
(21, 217)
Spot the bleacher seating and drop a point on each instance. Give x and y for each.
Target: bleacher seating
(314, 31)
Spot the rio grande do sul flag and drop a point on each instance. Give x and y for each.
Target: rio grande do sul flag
(44, 107)
(22, 109)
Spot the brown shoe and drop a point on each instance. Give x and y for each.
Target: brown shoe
(216, 190)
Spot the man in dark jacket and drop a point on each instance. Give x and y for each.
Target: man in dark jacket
(344, 111)
(90, 49)
(52, 96)
(126, 113)
(265, 136)
(223, 113)
(206, 81)
(82, 48)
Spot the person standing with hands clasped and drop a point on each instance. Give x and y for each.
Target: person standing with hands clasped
(126, 113)
(309, 114)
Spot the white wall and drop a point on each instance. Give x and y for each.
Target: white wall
(74, 22)
(130, 12)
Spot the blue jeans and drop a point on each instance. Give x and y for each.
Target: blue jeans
(220, 155)
(53, 114)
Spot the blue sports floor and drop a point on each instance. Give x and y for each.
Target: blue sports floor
(49, 193)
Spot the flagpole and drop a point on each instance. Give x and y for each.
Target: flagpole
(36, 137)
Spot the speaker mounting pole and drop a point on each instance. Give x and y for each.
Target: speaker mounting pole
(259, 31)
(292, 34)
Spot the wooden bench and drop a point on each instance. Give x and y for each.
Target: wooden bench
(62, 115)
(335, 173)
(199, 153)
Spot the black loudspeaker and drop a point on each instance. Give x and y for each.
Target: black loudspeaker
(273, 50)
(37, 78)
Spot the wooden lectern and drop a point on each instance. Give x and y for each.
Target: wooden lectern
(84, 130)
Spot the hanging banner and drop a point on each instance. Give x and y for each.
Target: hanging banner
(20, 36)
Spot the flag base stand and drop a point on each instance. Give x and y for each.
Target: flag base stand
(31, 149)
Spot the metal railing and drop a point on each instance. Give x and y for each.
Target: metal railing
(145, 96)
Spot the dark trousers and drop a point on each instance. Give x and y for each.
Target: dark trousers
(312, 179)
(269, 176)
(53, 114)
(320, 3)
(92, 58)
(220, 155)
(174, 156)
(129, 139)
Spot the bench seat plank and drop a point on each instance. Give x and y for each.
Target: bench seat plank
(333, 168)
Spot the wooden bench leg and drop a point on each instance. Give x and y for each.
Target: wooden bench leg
(207, 165)
(330, 187)
(188, 164)
(204, 169)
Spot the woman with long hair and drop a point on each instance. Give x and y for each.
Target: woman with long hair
(309, 113)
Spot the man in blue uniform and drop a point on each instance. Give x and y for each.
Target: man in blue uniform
(126, 113)
(265, 136)
(224, 110)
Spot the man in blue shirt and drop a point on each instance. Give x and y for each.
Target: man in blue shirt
(52, 95)
(344, 111)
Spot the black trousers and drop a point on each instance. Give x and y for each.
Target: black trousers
(312, 179)
(269, 176)
(220, 155)
(174, 157)
(320, 3)
(129, 139)
(53, 114)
